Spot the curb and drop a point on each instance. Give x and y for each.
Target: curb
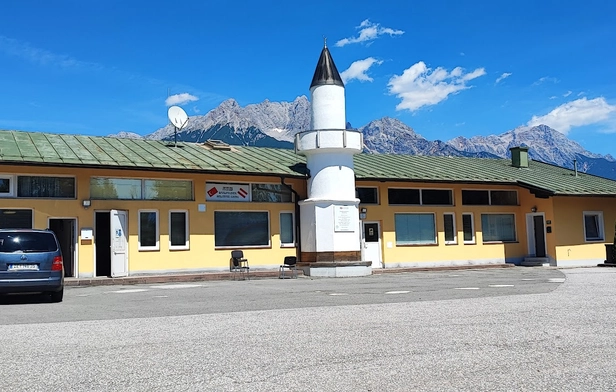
(213, 276)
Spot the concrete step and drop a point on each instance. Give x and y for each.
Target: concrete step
(536, 262)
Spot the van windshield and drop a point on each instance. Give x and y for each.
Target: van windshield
(27, 242)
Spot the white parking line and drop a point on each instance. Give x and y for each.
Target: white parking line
(176, 286)
(398, 292)
(556, 280)
(528, 279)
(501, 285)
(467, 288)
(339, 294)
(161, 296)
(128, 291)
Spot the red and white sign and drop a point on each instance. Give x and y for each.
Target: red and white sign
(227, 192)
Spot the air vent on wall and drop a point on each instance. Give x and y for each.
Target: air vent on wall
(217, 145)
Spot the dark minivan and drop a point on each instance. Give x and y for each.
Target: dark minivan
(31, 261)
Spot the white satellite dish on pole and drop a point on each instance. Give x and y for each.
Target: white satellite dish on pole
(178, 118)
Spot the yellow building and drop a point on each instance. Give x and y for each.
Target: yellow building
(128, 207)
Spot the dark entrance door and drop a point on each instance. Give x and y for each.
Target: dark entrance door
(65, 230)
(539, 236)
(102, 242)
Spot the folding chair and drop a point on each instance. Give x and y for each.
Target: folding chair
(238, 265)
(289, 263)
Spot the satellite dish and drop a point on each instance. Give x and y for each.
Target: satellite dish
(177, 116)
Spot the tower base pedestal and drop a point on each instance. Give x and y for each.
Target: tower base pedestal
(336, 269)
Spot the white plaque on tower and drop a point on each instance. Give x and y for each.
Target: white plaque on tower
(344, 218)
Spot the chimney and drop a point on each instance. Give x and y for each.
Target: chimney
(519, 156)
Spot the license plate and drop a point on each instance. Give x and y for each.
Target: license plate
(23, 267)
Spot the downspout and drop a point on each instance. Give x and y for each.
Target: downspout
(298, 246)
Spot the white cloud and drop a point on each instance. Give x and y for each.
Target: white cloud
(576, 114)
(358, 70)
(545, 79)
(419, 86)
(567, 93)
(368, 32)
(24, 50)
(196, 110)
(504, 76)
(553, 97)
(180, 99)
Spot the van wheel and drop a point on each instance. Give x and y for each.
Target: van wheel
(56, 296)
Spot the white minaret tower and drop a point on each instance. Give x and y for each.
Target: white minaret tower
(330, 227)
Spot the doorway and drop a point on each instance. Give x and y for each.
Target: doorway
(535, 228)
(111, 243)
(102, 243)
(65, 230)
(371, 244)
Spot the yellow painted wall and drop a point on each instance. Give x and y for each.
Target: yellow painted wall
(200, 256)
(459, 253)
(570, 243)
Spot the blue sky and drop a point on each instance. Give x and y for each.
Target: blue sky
(445, 68)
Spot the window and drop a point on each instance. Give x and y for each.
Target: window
(468, 227)
(287, 229)
(52, 187)
(420, 196)
(148, 230)
(241, 228)
(593, 226)
(498, 227)
(486, 198)
(449, 222)
(15, 219)
(7, 186)
(475, 198)
(367, 195)
(135, 189)
(415, 229)
(271, 193)
(167, 190)
(436, 197)
(178, 230)
(504, 198)
(403, 196)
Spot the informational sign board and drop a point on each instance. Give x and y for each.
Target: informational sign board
(227, 192)
(345, 218)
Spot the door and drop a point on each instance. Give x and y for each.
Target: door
(539, 235)
(119, 243)
(66, 231)
(535, 229)
(371, 244)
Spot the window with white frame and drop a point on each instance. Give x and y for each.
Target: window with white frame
(415, 229)
(178, 230)
(287, 229)
(449, 222)
(468, 227)
(593, 226)
(7, 185)
(241, 229)
(498, 227)
(105, 188)
(148, 230)
(411, 196)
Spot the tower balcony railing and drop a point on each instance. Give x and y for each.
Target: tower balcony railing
(329, 139)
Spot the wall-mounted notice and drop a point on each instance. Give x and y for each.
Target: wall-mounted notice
(345, 218)
(227, 192)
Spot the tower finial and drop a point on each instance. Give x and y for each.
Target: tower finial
(324, 41)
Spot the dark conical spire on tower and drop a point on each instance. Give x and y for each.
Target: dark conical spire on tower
(326, 72)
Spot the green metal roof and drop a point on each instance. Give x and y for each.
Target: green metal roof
(17, 147)
(54, 149)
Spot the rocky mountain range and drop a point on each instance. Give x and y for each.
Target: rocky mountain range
(274, 124)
